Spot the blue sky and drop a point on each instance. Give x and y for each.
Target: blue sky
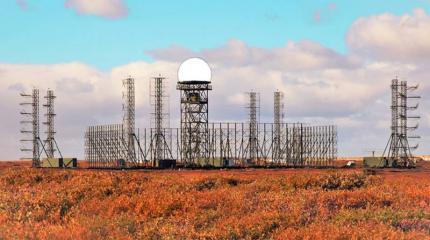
(46, 32)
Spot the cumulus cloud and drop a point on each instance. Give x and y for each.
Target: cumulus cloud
(19, 87)
(73, 85)
(294, 56)
(111, 9)
(392, 38)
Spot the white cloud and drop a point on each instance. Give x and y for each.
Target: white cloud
(392, 38)
(294, 56)
(111, 9)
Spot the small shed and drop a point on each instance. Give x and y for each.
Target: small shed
(379, 162)
(59, 163)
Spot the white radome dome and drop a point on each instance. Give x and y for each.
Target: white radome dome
(194, 69)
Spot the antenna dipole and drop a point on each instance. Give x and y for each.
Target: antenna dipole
(398, 144)
(30, 126)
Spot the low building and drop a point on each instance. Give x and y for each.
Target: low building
(59, 163)
(379, 162)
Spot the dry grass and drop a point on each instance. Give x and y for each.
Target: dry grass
(240, 204)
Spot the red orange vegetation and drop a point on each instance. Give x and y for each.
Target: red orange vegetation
(248, 204)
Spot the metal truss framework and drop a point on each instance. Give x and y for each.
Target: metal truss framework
(398, 147)
(30, 126)
(278, 120)
(301, 145)
(194, 121)
(50, 144)
(128, 107)
(253, 119)
(160, 119)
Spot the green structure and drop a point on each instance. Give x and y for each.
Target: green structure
(379, 162)
(215, 163)
(59, 163)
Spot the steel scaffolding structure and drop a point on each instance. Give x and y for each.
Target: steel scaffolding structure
(50, 143)
(301, 146)
(30, 118)
(160, 120)
(398, 148)
(194, 121)
(278, 119)
(129, 118)
(253, 119)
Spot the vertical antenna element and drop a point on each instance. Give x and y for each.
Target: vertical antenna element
(31, 118)
(129, 117)
(411, 108)
(50, 130)
(398, 143)
(160, 119)
(36, 128)
(405, 151)
(278, 120)
(254, 117)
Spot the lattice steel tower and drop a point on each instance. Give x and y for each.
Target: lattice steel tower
(129, 118)
(278, 120)
(30, 123)
(50, 144)
(253, 119)
(194, 121)
(160, 120)
(398, 143)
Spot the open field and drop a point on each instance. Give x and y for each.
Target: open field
(216, 204)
